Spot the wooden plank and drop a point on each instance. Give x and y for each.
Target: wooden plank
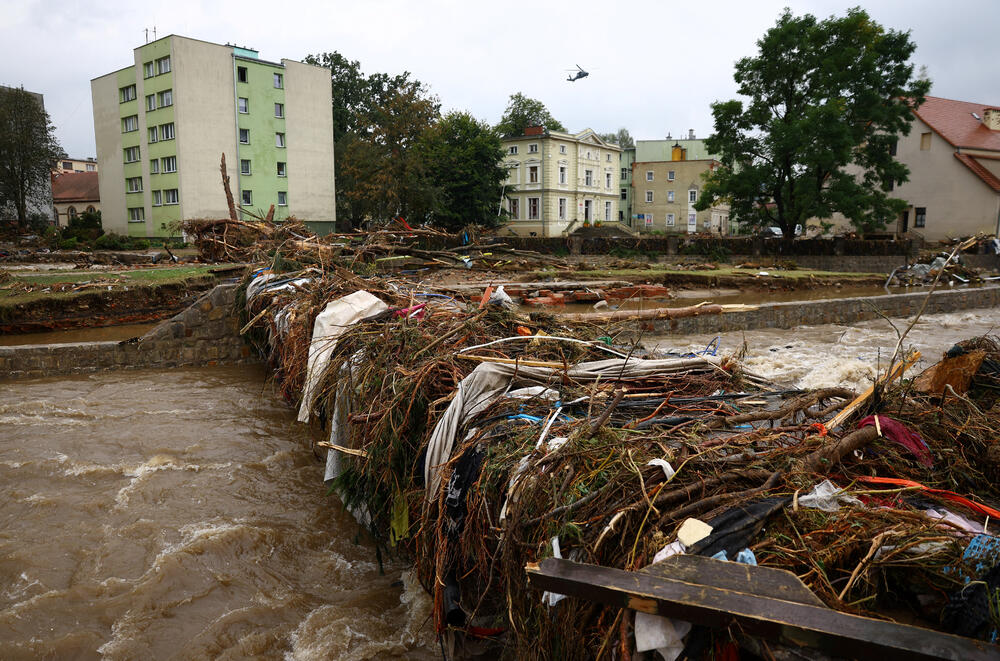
(756, 616)
(761, 581)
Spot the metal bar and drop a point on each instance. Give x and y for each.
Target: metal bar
(757, 616)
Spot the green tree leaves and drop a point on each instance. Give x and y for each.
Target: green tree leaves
(822, 95)
(523, 112)
(28, 149)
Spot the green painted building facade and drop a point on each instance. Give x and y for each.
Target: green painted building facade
(163, 124)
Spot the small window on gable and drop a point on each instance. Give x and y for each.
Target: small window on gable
(925, 141)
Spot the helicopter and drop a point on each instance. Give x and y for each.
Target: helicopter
(580, 73)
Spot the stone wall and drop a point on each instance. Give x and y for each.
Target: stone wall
(837, 311)
(207, 333)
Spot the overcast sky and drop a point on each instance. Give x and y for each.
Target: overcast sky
(655, 66)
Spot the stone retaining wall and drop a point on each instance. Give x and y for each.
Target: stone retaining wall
(207, 333)
(835, 311)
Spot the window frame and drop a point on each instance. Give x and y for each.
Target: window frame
(512, 150)
(157, 197)
(282, 169)
(148, 70)
(247, 170)
(241, 134)
(165, 99)
(123, 93)
(152, 134)
(242, 71)
(562, 149)
(533, 148)
(138, 154)
(137, 214)
(534, 208)
(150, 102)
(649, 197)
(563, 174)
(282, 198)
(670, 196)
(607, 180)
(692, 195)
(167, 196)
(671, 219)
(920, 216)
(588, 177)
(533, 174)
(623, 194)
(514, 208)
(246, 197)
(279, 140)
(607, 211)
(279, 81)
(649, 175)
(154, 166)
(133, 184)
(164, 161)
(562, 207)
(243, 105)
(279, 110)
(671, 175)
(162, 65)
(165, 129)
(130, 121)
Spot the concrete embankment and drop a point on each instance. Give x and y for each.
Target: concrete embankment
(207, 333)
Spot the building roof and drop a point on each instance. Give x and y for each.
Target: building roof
(977, 168)
(954, 121)
(75, 187)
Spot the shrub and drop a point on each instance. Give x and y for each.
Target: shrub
(68, 244)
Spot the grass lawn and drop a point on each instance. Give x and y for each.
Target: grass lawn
(59, 285)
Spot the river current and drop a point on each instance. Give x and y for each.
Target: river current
(180, 514)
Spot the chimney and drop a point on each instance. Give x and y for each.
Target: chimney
(534, 130)
(690, 134)
(991, 118)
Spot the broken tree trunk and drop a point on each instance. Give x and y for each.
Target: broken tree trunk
(229, 193)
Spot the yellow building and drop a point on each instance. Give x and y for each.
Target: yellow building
(560, 181)
(664, 194)
(64, 165)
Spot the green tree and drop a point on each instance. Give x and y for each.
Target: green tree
(622, 138)
(523, 112)
(28, 149)
(463, 164)
(822, 95)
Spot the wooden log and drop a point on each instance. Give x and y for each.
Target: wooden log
(657, 313)
(225, 185)
(700, 600)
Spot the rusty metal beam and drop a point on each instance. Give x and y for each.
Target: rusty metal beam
(789, 622)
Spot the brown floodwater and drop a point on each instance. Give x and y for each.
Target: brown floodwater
(102, 334)
(180, 514)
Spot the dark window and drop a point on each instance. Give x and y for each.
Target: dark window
(241, 74)
(919, 216)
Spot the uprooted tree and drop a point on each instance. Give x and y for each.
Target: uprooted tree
(826, 100)
(28, 149)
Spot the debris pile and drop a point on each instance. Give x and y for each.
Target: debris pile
(474, 440)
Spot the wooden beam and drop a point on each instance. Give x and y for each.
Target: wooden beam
(765, 617)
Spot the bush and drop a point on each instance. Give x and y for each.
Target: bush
(68, 244)
(85, 227)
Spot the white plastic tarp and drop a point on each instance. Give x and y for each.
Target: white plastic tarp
(331, 323)
(490, 380)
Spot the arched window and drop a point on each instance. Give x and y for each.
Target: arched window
(91, 209)
(71, 212)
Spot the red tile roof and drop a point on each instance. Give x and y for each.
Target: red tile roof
(75, 187)
(977, 168)
(953, 121)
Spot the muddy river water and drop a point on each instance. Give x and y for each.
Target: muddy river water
(179, 514)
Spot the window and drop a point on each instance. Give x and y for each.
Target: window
(670, 175)
(245, 136)
(692, 195)
(920, 216)
(282, 198)
(91, 209)
(588, 177)
(130, 123)
(281, 169)
(131, 154)
(562, 208)
(624, 173)
(670, 196)
(150, 102)
(163, 65)
(532, 208)
(136, 214)
(649, 196)
(71, 212)
(247, 198)
(562, 174)
(154, 166)
(588, 155)
(126, 94)
(157, 198)
(609, 158)
(147, 70)
(649, 175)
(607, 212)
(513, 208)
(607, 180)
(166, 98)
(533, 149)
(513, 150)
(169, 163)
(167, 131)
(152, 134)
(170, 196)
(587, 206)
(279, 81)
(243, 105)
(279, 139)
(245, 166)
(624, 194)
(532, 174)
(562, 149)
(133, 184)
(279, 109)
(241, 74)
(925, 141)
(670, 220)
(67, 165)
(91, 167)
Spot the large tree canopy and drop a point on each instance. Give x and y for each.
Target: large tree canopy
(622, 138)
(28, 149)
(822, 95)
(523, 112)
(463, 162)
